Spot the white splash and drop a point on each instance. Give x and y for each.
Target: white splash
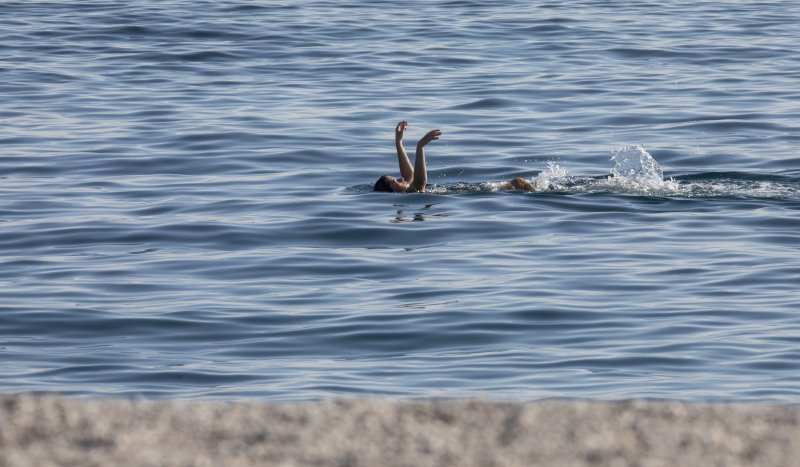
(635, 170)
(553, 177)
(635, 162)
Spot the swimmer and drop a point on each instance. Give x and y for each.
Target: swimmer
(413, 179)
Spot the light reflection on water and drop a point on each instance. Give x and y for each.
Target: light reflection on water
(185, 205)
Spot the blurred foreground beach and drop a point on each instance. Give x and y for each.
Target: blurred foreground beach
(51, 430)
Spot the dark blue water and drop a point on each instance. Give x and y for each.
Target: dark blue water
(185, 205)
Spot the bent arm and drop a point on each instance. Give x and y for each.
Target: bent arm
(420, 170)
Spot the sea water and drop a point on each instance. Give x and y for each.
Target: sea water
(186, 206)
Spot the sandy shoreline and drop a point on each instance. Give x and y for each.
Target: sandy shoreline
(50, 430)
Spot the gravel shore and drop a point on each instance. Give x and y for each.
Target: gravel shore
(50, 430)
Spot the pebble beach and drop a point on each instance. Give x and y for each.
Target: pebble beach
(51, 430)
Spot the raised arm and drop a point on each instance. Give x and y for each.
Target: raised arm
(420, 170)
(406, 171)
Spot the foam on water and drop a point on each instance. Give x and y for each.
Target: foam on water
(750, 187)
(637, 172)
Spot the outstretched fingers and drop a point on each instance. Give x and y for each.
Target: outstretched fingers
(432, 135)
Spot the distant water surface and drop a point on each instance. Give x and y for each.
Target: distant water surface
(185, 204)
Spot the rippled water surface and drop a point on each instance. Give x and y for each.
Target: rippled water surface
(185, 204)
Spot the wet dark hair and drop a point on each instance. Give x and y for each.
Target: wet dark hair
(383, 184)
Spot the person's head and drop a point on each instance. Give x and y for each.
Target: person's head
(384, 184)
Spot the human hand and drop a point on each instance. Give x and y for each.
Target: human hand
(432, 135)
(400, 129)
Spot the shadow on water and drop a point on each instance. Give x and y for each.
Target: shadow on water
(406, 213)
